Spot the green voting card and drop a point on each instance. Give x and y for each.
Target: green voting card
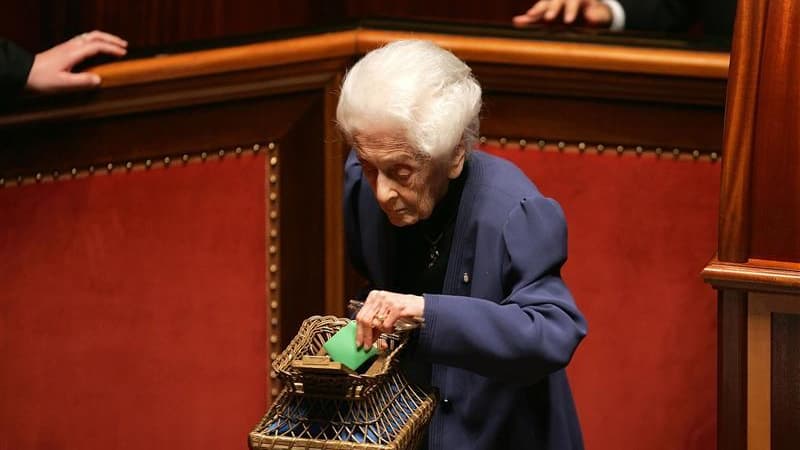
(341, 347)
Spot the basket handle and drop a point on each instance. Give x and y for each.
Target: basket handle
(403, 324)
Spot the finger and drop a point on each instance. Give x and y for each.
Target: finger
(553, 9)
(533, 15)
(391, 319)
(571, 8)
(598, 14)
(79, 80)
(95, 48)
(101, 36)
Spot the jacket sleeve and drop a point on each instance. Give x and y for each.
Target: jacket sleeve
(659, 15)
(533, 331)
(15, 65)
(352, 193)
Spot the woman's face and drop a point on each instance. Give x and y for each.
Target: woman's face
(406, 184)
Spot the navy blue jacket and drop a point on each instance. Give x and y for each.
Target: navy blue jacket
(503, 330)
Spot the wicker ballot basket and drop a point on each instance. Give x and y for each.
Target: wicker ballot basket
(324, 407)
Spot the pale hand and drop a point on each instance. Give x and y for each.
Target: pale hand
(594, 12)
(381, 311)
(52, 69)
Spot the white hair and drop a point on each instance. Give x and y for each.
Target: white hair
(415, 88)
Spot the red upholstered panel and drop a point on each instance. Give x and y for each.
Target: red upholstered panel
(133, 310)
(640, 231)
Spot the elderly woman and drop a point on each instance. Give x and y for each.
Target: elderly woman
(465, 240)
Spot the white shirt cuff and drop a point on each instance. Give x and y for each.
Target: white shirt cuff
(617, 15)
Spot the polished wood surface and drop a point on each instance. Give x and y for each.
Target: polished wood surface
(758, 374)
(754, 275)
(564, 54)
(734, 220)
(731, 370)
(785, 381)
(776, 206)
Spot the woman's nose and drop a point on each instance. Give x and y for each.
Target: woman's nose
(384, 189)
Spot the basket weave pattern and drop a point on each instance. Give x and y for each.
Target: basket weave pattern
(318, 411)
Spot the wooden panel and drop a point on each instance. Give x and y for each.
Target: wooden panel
(746, 58)
(732, 370)
(758, 373)
(776, 165)
(785, 381)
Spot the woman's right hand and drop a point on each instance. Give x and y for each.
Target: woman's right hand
(594, 12)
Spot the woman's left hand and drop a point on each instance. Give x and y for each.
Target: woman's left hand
(380, 312)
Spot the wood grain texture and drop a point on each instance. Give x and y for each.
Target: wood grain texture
(732, 370)
(785, 381)
(758, 374)
(564, 54)
(775, 186)
(754, 275)
(738, 140)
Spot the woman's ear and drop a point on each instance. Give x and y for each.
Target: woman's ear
(457, 162)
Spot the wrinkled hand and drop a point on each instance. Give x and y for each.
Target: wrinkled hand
(52, 69)
(380, 312)
(594, 12)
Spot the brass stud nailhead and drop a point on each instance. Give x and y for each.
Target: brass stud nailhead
(273, 304)
(74, 171)
(273, 339)
(185, 157)
(483, 139)
(620, 149)
(273, 161)
(561, 145)
(38, 176)
(148, 163)
(541, 143)
(129, 165)
(221, 153)
(696, 154)
(19, 179)
(639, 149)
(581, 146)
(55, 174)
(273, 355)
(272, 249)
(273, 233)
(271, 146)
(273, 179)
(600, 147)
(273, 215)
(238, 151)
(274, 392)
(256, 147)
(2, 181)
(109, 167)
(274, 321)
(713, 156)
(503, 141)
(659, 150)
(166, 160)
(203, 156)
(273, 285)
(676, 151)
(273, 268)
(272, 373)
(273, 196)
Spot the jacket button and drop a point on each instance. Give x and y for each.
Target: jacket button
(446, 405)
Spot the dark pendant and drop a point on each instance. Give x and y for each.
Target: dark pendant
(433, 256)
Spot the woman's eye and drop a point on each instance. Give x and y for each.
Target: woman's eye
(402, 173)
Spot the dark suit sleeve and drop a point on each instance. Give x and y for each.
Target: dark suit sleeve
(352, 191)
(535, 329)
(659, 15)
(15, 65)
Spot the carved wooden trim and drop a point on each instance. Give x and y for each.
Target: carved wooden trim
(738, 140)
(754, 275)
(335, 153)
